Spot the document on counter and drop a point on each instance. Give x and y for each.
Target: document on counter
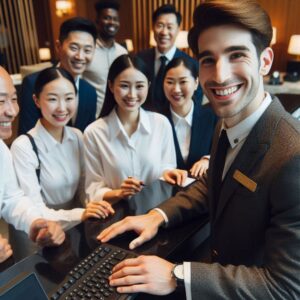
(188, 181)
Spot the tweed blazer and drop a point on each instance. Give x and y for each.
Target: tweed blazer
(29, 113)
(255, 234)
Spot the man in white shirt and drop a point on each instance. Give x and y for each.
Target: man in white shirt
(107, 50)
(255, 211)
(15, 208)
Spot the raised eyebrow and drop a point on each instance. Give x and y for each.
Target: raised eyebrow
(236, 48)
(227, 50)
(204, 53)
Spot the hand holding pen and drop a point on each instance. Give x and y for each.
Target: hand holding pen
(131, 186)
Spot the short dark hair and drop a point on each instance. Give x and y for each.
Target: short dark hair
(166, 9)
(247, 14)
(187, 62)
(119, 65)
(104, 4)
(77, 24)
(49, 74)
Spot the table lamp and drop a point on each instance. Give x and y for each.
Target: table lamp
(293, 66)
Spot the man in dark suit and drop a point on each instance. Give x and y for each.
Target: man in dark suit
(253, 199)
(166, 22)
(75, 48)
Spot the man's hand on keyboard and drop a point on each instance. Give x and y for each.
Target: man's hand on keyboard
(146, 226)
(146, 274)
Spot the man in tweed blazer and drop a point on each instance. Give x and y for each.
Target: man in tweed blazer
(255, 220)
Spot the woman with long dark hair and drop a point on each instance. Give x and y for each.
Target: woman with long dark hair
(128, 146)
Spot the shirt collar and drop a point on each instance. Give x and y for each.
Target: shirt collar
(49, 141)
(169, 55)
(100, 44)
(240, 131)
(116, 127)
(188, 118)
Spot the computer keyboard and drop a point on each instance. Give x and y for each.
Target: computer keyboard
(89, 279)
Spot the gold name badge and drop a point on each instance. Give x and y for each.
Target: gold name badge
(245, 181)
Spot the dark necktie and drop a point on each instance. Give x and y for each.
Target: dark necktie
(159, 97)
(219, 163)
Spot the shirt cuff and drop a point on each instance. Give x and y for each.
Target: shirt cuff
(187, 280)
(206, 157)
(163, 215)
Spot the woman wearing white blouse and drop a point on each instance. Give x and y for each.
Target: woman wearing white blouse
(59, 188)
(128, 146)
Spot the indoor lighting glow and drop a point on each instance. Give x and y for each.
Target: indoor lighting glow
(294, 45)
(63, 8)
(44, 54)
(273, 41)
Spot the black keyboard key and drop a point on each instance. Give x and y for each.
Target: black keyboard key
(121, 255)
(89, 279)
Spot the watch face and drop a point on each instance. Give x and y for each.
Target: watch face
(178, 272)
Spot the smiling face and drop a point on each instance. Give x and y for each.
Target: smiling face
(130, 89)
(108, 23)
(179, 86)
(231, 74)
(8, 104)
(76, 52)
(57, 102)
(165, 32)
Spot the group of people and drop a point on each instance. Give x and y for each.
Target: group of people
(70, 176)
(140, 124)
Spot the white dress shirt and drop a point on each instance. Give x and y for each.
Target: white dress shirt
(61, 175)
(15, 208)
(183, 129)
(169, 55)
(112, 156)
(97, 71)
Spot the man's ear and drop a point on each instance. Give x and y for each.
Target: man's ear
(36, 100)
(266, 60)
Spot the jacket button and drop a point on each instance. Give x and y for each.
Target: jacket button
(215, 253)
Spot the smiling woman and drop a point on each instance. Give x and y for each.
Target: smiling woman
(128, 146)
(52, 175)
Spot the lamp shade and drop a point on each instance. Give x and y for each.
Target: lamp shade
(294, 45)
(273, 41)
(129, 45)
(44, 54)
(181, 40)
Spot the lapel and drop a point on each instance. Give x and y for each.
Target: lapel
(180, 161)
(198, 123)
(254, 149)
(81, 105)
(151, 62)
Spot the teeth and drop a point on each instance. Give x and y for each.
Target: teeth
(226, 92)
(5, 124)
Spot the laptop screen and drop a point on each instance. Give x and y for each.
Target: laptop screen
(27, 287)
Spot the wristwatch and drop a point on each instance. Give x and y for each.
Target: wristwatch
(177, 274)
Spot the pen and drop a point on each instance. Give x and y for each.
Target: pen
(141, 183)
